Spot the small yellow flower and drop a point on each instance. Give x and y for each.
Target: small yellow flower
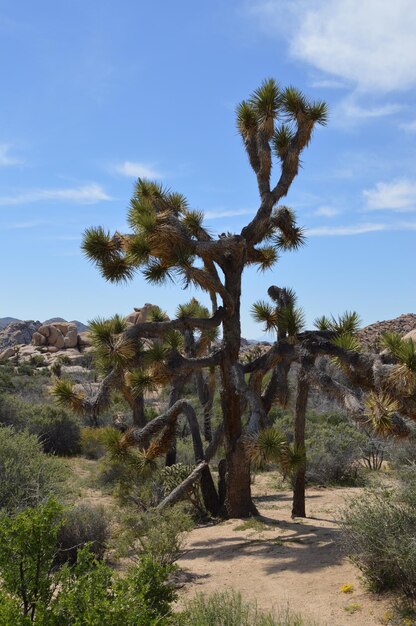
(347, 588)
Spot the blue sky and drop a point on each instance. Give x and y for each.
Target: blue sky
(97, 93)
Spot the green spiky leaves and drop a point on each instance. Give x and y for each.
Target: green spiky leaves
(298, 108)
(290, 320)
(65, 395)
(403, 374)
(282, 139)
(264, 313)
(246, 119)
(110, 349)
(285, 317)
(271, 446)
(380, 410)
(140, 381)
(265, 447)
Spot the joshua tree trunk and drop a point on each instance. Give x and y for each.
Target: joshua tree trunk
(238, 502)
(298, 505)
(139, 418)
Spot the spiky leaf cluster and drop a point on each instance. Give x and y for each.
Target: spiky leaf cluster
(269, 104)
(66, 396)
(285, 317)
(403, 374)
(163, 229)
(271, 446)
(110, 351)
(380, 410)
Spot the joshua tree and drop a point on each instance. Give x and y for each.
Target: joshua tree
(168, 241)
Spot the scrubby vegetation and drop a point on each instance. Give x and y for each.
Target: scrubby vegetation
(231, 609)
(380, 531)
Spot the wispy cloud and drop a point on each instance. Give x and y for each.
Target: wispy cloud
(5, 158)
(328, 83)
(371, 44)
(358, 229)
(85, 194)
(342, 231)
(25, 225)
(409, 127)
(350, 109)
(216, 214)
(133, 169)
(327, 211)
(398, 195)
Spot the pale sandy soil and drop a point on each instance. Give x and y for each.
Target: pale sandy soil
(296, 562)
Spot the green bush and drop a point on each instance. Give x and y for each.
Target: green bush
(27, 476)
(27, 549)
(228, 608)
(160, 534)
(379, 536)
(334, 448)
(403, 453)
(6, 380)
(83, 524)
(33, 591)
(92, 445)
(57, 430)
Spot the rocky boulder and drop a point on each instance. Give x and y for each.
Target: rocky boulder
(17, 333)
(370, 335)
(138, 316)
(58, 334)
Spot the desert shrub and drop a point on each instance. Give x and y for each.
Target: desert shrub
(27, 476)
(57, 430)
(403, 453)
(159, 535)
(172, 476)
(334, 448)
(185, 451)
(83, 524)
(90, 594)
(25, 369)
(379, 535)
(334, 453)
(229, 608)
(6, 380)
(34, 591)
(27, 549)
(9, 411)
(37, 360)
(92, 445)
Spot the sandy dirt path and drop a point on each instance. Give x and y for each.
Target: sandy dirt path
(281, 561)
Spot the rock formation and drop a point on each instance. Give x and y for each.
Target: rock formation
(370, 335)
(138, 316)
(20, 332)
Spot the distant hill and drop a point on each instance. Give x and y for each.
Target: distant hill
(80, 326)
(5, 321)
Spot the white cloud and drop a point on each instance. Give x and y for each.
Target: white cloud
(133, 169)
(339, 231)
(398, 195)
(327, 211)
(348, 108)
(328, 83)
(371, 43)
(5, 158)
(86, 194)
(409, 127)
(212, 215)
